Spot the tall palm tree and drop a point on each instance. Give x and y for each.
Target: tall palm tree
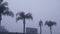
(40, 25)
(23, 16)
(4, 10)
(50, 24)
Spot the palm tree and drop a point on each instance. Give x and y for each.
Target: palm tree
(50, 24)
(40, 24)
(23, 16)
(4, 10)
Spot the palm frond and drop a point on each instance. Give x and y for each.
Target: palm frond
(18, 18)
(21, 14)
(3, 7)
(40, 23)
(1, 1)
(17, 14)
(54, 23)
(50, 23)
(46, 22)
(8, 13)
(29, 16)
(5, 4)
(0, 17)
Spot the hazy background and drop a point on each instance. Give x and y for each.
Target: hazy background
(40, 9)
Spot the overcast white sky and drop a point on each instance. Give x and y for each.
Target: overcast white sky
(40, 9)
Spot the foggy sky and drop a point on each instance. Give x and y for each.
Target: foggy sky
(40, 9)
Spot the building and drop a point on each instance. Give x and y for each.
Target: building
(31, 30)
(2, 29)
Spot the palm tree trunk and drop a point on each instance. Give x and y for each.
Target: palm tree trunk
(40, 29)
(50, 30)
(0, 19)
(24, 26)
(0, 22)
